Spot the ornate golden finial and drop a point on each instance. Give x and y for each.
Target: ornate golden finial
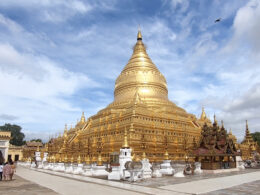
(166, 155)
(72, 159)
(87, 160)
(65, 130)
(203, 114)
(230, 131)
(143, 155)
(99, 161)
(139, 35)
(222, 124)
(125, 144)
(79, 159)
(66, 158)
(83, 119)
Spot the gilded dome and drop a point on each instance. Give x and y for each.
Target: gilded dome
(141, 76)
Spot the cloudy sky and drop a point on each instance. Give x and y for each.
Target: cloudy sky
(61, 57)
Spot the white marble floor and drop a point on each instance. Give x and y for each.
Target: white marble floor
(64, 183)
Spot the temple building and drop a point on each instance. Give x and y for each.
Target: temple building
(154, 124)
(29, 149)
(5, 137)
(248, 146)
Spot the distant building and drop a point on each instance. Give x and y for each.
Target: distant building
(5, 137)
(30, 148)
(15, 152)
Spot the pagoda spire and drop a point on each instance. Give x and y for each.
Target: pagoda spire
(125, 144)
(222, 124)
(83, 119)
(139, 34)
(247, 129)
(215, 119)
(203, 114)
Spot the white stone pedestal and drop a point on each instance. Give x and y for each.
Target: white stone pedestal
(79, 169)
(33, 165)
(99, 171)
(69, 168)
(87, 171)
(124, 156)
(166, 168)
(179, 168)
(156, 171)
(115, 174)
(46, 165)
(147, 172)
(240, 163)
(45, 156)
(198, 168)
(38, 156)
(40, 165)
(50, 166)
(60, 167)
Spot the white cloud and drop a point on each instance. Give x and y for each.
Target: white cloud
(36, 89)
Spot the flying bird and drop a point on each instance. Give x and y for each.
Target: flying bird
(218, 20)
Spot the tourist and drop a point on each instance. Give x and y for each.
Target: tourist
(7, 171)
(1, 170)
(12, 169)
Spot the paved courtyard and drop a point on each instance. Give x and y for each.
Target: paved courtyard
(28, 181)
(20, 186)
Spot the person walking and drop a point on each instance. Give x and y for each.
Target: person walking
(1, 171)
(7, 171)
(13, 168)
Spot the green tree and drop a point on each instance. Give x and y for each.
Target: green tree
(16, 135)
(256, 137)
(36, 140)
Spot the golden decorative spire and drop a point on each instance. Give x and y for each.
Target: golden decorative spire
(66, 158)
(203, 114)
(87, 160)
(139, 35)
(65, 131)
(99, 162)
(79, 159)
(83, 119)
(144, 155)
(166, 155)
(125, 144)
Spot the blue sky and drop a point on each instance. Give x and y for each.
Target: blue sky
(61, 57)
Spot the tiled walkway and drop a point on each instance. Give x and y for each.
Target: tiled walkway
(63, 183)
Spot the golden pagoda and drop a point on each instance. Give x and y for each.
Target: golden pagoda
(141, 110)
(248, 146)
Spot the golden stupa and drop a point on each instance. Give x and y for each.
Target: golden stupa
(248, 146)
(140, 114)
